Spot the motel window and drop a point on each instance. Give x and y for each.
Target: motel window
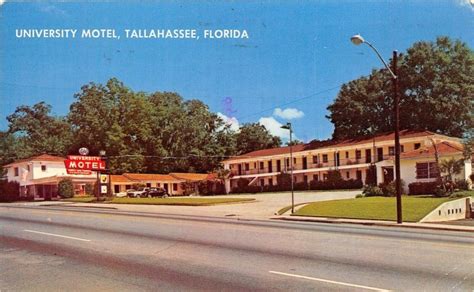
(347, 154)
(255, 165)
(348, 175)
(417, 146)
(402, 148)
(262, 165)
(247, 166)
(148, 185)
(43, 167)
(315, 159)
(287, 162)
(315, 177)
(391, 150)
(16, 171)
(294, 160)
(426, 170)
(325, 158)
(358, 154)
(175, 187)
(157, 185)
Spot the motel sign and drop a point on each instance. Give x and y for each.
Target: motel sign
(76, 164)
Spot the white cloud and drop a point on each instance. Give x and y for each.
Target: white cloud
(2, 2)
(274, 127)
(231, 121)
(288, 113)
(467, 3)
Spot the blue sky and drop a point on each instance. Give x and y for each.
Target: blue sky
(289, 69)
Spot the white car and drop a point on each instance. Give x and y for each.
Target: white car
(121, 195)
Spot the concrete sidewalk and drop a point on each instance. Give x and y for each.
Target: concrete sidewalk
(435, 226)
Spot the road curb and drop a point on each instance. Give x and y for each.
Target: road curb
(375, 223)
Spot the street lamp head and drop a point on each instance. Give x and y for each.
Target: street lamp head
(357, 39)
(287, 126)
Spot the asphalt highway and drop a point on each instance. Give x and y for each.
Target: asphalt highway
(90, 249)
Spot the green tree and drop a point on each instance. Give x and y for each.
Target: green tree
(451, 167)
(13, 148)
(66, 188)
(43, 133)
(254, 136)
(112, 118)
(436, 94)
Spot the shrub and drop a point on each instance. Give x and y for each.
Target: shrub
(253, 189)
(209, 188)
(372, 191)
(89, 189)
(9, 191)
(66, 188)
(390, 189)
(335, 184)
(301, 186)
(358, 196)
(284, 181)
(472, 177)
(371, 178)
(463, 184)
(422, 188)
(440, 191)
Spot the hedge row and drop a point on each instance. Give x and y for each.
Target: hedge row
(300, 186)
(9, 191)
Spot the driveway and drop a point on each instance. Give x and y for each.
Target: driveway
(264, 206)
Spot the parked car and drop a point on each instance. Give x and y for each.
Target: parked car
(121, 194)
(130, 192)
(157, 192)
(140, 193)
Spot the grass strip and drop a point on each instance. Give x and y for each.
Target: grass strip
(373, 208)
(180, 201)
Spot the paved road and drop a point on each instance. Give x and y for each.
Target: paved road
(51, 249)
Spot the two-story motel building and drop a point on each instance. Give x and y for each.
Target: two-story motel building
(352, 158)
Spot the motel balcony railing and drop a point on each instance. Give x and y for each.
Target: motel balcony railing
(301, 166)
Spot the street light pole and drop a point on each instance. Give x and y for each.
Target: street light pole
(396, 100)
(288, 127)
(357, 40)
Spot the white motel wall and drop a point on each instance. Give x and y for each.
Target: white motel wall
(352, 158)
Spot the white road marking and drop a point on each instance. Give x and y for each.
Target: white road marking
(328, 281)
(57, 235)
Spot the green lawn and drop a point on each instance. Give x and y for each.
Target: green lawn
(186, 201)
(80, 199)
(376, 208)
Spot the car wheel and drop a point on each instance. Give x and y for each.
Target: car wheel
(165, 196)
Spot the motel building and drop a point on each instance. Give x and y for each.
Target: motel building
(172, 182)
(352, 158)
(39, 176)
